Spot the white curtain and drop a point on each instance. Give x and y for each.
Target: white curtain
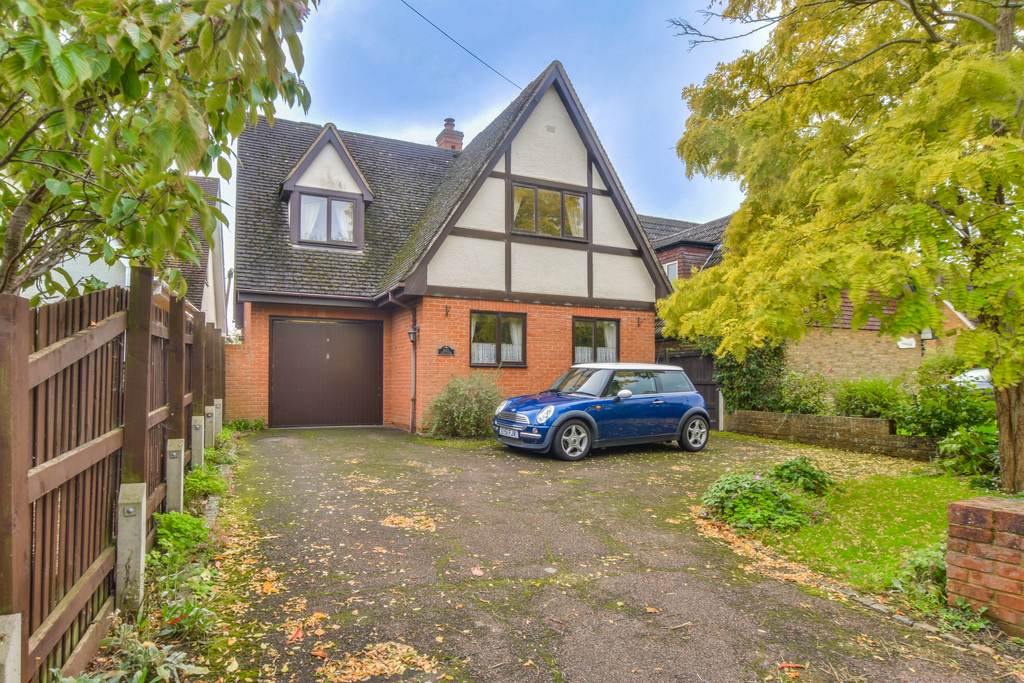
(583, 354)
(610, 352)
(513, 352)
(574, 215)
(313, 219)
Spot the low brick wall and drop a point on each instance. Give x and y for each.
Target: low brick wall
(860, 434)
(984, 564)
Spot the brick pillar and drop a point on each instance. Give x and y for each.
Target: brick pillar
(984, 565)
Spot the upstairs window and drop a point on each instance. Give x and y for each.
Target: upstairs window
(552, 213)
(327, 219)
(595, 341)
(497, 339)
(672, 270)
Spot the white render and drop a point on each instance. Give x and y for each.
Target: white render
(468, 262)
(487, 210)
(622, 277)
(548, 147)
(608, 228)
(329, 172)
(596, 178)
(549, 270)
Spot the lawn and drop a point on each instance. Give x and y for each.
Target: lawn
(872, 524)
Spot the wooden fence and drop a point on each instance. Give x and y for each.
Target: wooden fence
(91, 389)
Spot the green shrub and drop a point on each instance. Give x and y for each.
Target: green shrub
(186, 619)
(939, 367)
(870, 397)
(204, 481)
(753, 501)
(971, 450)
(141, 661)
(921, 579)
(465, 406)
(940, 408)
(754, 382)
(805, 394)
(241, 425)
(799, 472)
(179, 534)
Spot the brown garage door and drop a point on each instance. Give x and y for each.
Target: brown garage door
(326, 373)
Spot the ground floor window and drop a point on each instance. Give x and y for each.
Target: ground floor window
(595, 340)
(497, 338)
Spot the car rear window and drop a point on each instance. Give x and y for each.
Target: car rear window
(674, 381)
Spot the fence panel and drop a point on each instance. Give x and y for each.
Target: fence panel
(84, 405)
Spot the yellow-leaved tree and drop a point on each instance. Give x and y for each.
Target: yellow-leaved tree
(879, 143)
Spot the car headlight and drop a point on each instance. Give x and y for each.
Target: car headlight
(501, 407)
(544, 415)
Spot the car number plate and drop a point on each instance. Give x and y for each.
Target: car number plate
(511, 433)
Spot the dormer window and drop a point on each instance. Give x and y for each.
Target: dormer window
(327, 195)
(327, 219)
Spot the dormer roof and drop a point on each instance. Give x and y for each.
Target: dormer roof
(328, 137)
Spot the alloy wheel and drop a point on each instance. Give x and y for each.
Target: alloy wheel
(697, 433)
(574, 441)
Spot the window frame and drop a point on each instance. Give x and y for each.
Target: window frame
(497, 340)
(536, 212)
(594, 321)
(358, 218)
(675, 265)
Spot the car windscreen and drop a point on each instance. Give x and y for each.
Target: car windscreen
(589, 381)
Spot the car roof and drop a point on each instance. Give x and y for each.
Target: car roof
(626, 366)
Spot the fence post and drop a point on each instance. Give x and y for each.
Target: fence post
(721, 411)
(16, 331)
(131, 502)
(198, 389)
(210, 374)
(176, 424)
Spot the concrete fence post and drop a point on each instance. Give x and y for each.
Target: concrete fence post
(721, 411)
(175, 475)
(10, 648)
(131, 545)
(208, 420)
(198, 441)
(218, 415)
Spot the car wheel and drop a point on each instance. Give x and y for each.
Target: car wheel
(695, 434)
(572, 441)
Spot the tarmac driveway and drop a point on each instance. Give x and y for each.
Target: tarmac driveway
(541, 570)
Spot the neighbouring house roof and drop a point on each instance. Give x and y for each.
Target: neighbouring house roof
(404, 176)
(710, 232)
(657, 228)
(195, 273)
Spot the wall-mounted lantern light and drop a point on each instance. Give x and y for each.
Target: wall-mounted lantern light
(412, 333)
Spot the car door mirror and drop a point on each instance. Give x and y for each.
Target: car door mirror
(625, 393)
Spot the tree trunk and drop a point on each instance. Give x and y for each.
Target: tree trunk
(14, 239)
(1010, 419)
(1005, 19)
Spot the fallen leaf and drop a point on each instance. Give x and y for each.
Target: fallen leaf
(477, 571)
(296, 635)
(439, 639)
(231, 641)
(790, 665)
(673, 521)
(653, 610)
(232, 665)
(319, 632)
(319, 653)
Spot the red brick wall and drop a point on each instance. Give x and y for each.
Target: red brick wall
(548, 343)
(686, 257)
(984, 564)
(548, 349)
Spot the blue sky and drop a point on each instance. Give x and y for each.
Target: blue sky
(374, 66)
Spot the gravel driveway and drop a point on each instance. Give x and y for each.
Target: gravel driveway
(541, 570)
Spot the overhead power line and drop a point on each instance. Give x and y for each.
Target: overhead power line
(468, 51)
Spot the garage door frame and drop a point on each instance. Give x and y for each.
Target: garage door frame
(379, 324)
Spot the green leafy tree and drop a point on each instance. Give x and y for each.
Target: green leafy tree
(879, 143)
(106, 106)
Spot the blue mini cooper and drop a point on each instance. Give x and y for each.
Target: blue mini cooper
(596, 405)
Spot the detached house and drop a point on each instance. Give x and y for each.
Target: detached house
(370, 271)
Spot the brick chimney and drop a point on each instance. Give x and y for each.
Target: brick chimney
(449, 138)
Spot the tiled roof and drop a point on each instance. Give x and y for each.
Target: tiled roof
(711, 231)
(657, 228)
(403, 175)
(195, 273)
